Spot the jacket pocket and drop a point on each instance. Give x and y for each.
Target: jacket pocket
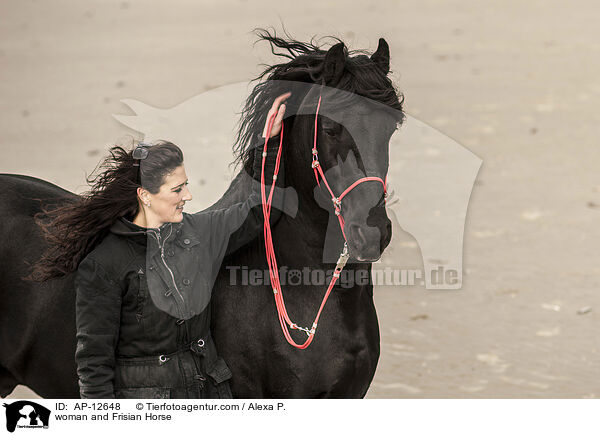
(146, 372)
(219, 375)
(187, 242)
(143, 393)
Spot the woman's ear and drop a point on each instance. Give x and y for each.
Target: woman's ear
(143, 195)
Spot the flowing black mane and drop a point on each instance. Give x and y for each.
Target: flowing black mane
(361, 76)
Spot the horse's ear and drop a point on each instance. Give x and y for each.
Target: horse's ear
(333, 65)
(381, 57)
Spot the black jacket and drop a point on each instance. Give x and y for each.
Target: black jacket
(142, 300)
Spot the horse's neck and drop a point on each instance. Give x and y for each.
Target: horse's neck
(312, 227)
(302, 242)
(307, 228)
(305, 237)
(313, 237)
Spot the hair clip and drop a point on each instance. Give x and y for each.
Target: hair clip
(140, 152)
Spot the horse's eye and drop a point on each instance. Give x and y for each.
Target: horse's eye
(331, 128)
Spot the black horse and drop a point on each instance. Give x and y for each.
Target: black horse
(37, 320)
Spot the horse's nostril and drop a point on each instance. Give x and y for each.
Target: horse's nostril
(364, 247)
(358, 235)
(361, 235)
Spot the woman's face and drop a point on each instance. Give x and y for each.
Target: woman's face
(167, 204)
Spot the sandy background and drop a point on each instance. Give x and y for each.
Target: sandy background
(515, 82)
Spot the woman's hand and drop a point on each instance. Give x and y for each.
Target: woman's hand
(278, 108)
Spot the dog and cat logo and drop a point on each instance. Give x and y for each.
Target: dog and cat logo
(26, 414)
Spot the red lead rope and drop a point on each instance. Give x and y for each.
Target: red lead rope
(284, 319)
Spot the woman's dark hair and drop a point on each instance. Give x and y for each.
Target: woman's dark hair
(73, 230)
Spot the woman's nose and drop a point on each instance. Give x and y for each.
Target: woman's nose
(188, 195)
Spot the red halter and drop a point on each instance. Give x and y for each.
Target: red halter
(271, 260)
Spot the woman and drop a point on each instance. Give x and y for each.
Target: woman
(145, 274)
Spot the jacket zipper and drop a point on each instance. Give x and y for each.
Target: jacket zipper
(162, 256)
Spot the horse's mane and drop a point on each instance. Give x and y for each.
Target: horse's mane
(305, 64)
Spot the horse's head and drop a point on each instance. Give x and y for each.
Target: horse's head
(359, 111)
(358, 114)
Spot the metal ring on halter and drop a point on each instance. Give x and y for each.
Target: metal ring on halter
(163, 359)
(300, 328)
(200, 343)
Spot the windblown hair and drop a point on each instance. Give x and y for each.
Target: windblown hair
(73, 230)
(306, 64)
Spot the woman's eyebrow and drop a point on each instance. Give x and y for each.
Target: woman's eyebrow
(179, 185)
